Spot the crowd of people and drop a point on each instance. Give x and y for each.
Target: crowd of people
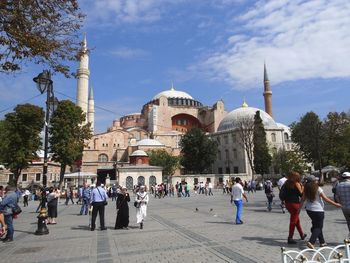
(294, 193)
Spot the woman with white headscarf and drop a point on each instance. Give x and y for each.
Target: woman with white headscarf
(141, 202)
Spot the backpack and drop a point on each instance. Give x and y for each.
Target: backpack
(283, 193)
(268, 188)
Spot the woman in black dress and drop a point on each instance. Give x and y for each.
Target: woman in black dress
(123, 209)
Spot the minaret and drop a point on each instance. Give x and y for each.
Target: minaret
(267, 93)
(91, 109)
(83, 79)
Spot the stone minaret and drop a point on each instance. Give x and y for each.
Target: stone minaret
(83, 80)
(91, 109)
(267, 93)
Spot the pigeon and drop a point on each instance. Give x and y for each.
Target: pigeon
(197, 209)
(211, 209)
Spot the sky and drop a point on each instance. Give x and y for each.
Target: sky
(211, 49)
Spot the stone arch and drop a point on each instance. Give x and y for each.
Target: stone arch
(102, 158)
(184, 122)
(141, 180)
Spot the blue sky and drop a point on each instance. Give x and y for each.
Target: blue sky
(212, 50)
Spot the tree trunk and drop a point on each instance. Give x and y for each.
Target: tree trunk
(62, 172)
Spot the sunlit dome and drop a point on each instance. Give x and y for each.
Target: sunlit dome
(232, 119)
(172, 93)
(139, 153)
(149, 142)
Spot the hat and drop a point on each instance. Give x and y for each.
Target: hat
(123, 187)
(346, 175)
(142, 186)
(311, 178)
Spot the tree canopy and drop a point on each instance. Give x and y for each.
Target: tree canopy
(20, 138)
(164, 159)
(198, 151)
(262, 157)
(285, 162)
(68, 135)
(45, 32)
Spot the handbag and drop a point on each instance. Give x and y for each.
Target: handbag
(16, 210)
(137, 204)
(104, 201)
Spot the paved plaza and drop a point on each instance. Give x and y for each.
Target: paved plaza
(174, 232)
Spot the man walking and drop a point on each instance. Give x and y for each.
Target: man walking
(85, 197)
(343, 197)
(237, 195)
(280, 183)
(98, 201)
(9, 201)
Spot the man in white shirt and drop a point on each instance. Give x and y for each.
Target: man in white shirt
(237, 195)
(280, 183)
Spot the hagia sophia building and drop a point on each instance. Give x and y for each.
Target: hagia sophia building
(120, 153)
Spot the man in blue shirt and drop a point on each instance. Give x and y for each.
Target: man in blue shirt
(343, 197)
(85, 196)
(9, 201)
(98, 201)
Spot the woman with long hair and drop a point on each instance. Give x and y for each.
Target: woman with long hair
(314, 197)
(292, 192)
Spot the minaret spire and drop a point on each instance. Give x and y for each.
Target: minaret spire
(91, 109)
(83, 74)
(267, 93)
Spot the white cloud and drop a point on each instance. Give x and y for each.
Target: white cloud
(129, 53)
(297, 39)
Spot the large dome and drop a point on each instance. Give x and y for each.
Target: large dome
(172, 93)
(232, 119)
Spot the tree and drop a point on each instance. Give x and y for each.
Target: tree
(307, 135)
(20, 138)
(198, 151)
(335, 140)
(286, 161)
(68, 134)
(245, 131)
(262, 157)
(45, 32)
(164, 159)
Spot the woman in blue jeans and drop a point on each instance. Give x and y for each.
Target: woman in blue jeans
(314, 197)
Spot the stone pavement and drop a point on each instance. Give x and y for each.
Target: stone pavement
(174, 231)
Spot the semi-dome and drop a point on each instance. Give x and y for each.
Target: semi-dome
(172, 93)
(149, 142)
(139, 153)
(232, 119)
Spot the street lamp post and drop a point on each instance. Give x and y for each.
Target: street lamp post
(44, 84)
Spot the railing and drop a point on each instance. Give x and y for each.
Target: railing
(338, 254)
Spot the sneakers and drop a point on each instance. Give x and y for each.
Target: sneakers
(291, 241)
(310, 245)
(323, 244)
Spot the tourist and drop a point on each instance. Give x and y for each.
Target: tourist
(85, 195)
(343, 197)
(237, 195)
(141, 209)
(25, 195)
(210, 188)
(3, 226)
(122, 220)
(314, 197)
(98, 201)
(269, 194)
(52, 203)
(69, 195)
(280, 183)
(187, 190)
(9, 201)
(291, 193)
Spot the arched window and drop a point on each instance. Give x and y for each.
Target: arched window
(152, 181)
(129, 182)
(286, 136)
(102, 158)
(273, 137)
(141, 180)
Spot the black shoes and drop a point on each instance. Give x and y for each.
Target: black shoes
(291, 241)
(103, 228)
(141, 225)
(303, 237)
(7, 240)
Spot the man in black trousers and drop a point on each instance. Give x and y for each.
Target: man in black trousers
(98, 201)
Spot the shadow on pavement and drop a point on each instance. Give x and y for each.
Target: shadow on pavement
(27, 232)
(268, 241)
(267, 212)
(80, 228)
(220, 222)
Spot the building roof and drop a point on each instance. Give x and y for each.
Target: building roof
(139, 153)
(149, 142)
(172, 93)
(232, 119)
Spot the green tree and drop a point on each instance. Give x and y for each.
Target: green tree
(164, 159)
(335, 140)
(286, 161)
(20, 138)
(262, 157)
(45, 32)
(68, 135)
(307, 135)
(198, 151)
